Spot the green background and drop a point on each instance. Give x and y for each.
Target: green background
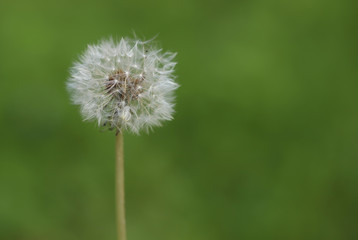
(263, 144)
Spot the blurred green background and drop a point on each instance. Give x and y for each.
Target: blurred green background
(264, 141)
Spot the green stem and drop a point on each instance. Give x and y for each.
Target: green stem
(121, 219)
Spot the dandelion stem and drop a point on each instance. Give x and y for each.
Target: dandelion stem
(121, 220)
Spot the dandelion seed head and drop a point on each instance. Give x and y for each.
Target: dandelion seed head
(125, 85)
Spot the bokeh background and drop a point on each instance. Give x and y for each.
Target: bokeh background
(264, 141)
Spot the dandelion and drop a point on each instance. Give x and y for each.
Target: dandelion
(125, 85)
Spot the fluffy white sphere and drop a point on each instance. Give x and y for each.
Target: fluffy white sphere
(124, 86)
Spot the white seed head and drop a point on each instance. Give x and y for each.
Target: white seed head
(125, 85)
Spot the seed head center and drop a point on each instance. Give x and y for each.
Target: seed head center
(124, 86)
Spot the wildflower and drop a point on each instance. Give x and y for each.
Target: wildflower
(125, 85)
